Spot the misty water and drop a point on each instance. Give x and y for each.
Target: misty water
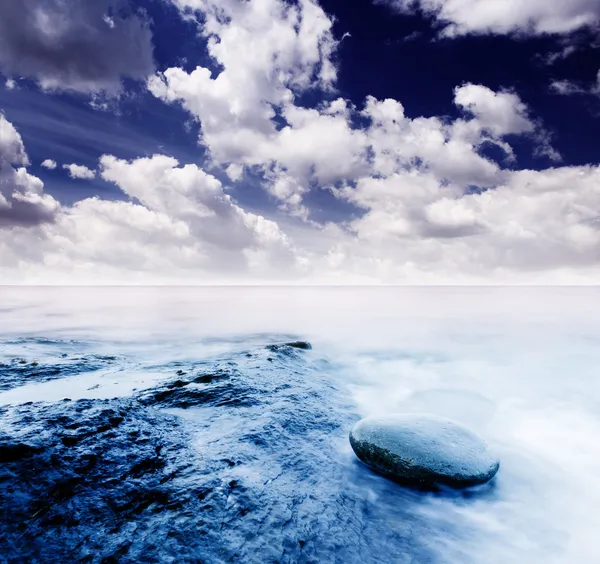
(188, 438)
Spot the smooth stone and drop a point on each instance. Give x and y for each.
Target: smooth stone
(423, 450)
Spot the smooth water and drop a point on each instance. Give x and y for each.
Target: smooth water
(186, 440)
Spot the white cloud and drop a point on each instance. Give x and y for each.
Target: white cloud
(532, 222)
(534, 17)
(533, 227)
(235, 172)
(566, 88)
(427, 205)
(12, 150)
(193, 196)
(217, 228)
(269, 51)
(249, 116)
(502, 113)
(399, 143)
(180, 226)
(450, 149)
(570, 88)
(81, 172)
(22, 198)
(49, 164)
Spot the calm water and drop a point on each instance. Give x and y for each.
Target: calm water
(518, 366)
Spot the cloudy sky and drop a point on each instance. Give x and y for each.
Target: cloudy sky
(297, 141)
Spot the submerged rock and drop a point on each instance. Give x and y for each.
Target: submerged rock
(423, 450)
(302, 345)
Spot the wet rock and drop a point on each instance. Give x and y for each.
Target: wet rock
(12, 452)
(70, 440)
(147, 465)
(424, 451)
(90, 487)
(213, 389)
(115, 421)
(250, 473)
(51, 367)
(210, 378)
(302, 345)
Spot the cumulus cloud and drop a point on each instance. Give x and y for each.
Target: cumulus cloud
(269, 51)
(195, 198)
(81, 172)
(536, 226)
(22, 198)
(49, 164)
(534, 17)
(502, 113)
(179, 225)
(426, 203)
(533, 221)
(72, 45)
(399, 143)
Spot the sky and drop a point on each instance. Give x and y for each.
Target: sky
(299, 142)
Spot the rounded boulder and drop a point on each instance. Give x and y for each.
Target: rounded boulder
(423, 450)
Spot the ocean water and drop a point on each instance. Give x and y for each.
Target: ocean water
(161, 425)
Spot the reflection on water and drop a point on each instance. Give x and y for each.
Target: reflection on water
(518, 366)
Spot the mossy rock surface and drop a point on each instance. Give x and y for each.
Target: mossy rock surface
(424, 451)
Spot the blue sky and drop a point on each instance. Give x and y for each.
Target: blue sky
(426, 142)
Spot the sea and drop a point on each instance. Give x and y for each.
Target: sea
(176, 424)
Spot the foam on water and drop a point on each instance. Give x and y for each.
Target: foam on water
(517, 366)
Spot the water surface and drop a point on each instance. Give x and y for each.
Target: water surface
(187, 439)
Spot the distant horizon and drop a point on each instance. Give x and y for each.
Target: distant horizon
(296, 285)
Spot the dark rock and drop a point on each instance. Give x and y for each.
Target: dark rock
(424, 451)
(147, 465)
(115, 421)
(302, 345)
(177, 384)
(13, 452)
(70, 440)
(21, 371)
(209, 378)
